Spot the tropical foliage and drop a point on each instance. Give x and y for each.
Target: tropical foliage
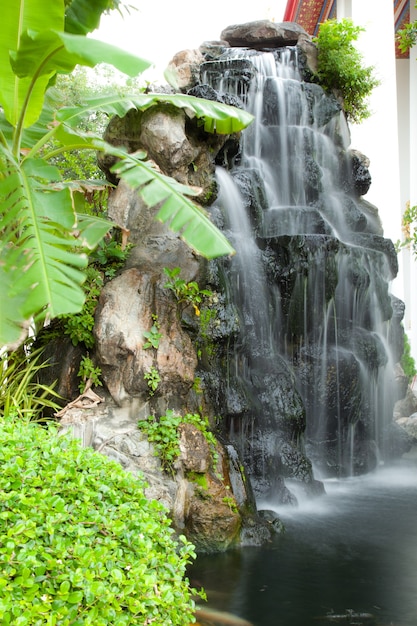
(80, 544)
(407, 36)
(340, 67)
(45, 234)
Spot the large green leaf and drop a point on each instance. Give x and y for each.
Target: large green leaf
(12, 318)
(41, 129)
(42, 54)
(57, 51)
(218, 117)
(17, 17)
(44, 242)
(176, 210)
(83, 16)
(180, 214)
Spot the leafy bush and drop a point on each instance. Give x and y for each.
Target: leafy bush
(407, 36)
(79, 542)
(340, 67)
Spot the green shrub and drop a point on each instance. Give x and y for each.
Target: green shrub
(79, 542)
(340, 67)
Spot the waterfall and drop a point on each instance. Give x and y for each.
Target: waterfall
(310, 370)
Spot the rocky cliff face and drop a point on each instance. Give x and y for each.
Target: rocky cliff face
(255, 363)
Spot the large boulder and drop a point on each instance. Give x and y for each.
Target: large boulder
(263, 34)
(184, 69)
(173, 140)
(125, 312)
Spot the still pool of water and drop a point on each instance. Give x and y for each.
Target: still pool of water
(349, 557)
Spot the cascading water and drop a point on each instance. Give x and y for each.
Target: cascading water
(309, 375)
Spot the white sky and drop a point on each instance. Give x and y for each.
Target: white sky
(158, 29)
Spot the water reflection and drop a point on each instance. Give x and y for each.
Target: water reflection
(349, 557)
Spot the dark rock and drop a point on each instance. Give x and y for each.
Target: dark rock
(263, 34)
(228, 75)
(322, 107)
(256, 531)
(63, 359)
(361, 175)
(272, 518)
(213, 49)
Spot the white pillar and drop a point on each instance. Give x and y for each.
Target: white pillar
(344, 9)
(408, 126)
(377, 136)
(389, 136)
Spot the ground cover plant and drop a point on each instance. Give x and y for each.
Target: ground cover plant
(79, 542)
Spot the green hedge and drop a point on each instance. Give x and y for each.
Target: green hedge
(79, 542)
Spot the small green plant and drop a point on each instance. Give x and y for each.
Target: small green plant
(110, 256)
(197, 385)
(231, 503)
(186, 293)
(79, 326)
(153, 336)
(340, 67)
(80, 543)
(88, 374)
(153, 379)
(199, 479)
(208, 317)
(21, 393)
(163, 433)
